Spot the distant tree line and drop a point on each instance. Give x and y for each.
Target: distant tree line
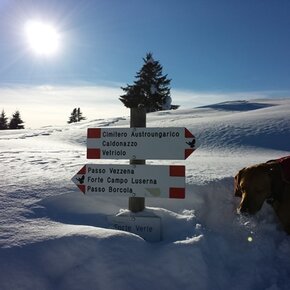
(14, 123)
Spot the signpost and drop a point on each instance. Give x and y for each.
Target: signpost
(137, 120)
(166, 181)
(136, 180)
(140, 143)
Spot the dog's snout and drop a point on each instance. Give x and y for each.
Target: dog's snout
(243, 210)
(246, 208)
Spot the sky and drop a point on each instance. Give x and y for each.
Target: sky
(212, 50)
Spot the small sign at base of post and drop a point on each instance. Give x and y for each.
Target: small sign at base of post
(147, 227)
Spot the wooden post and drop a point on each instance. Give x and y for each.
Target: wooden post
(137, 119)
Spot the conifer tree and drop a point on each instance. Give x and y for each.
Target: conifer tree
(16, 122)
(76, 116)
(73, 116)
(80, 115)
(151, 89)
(3, 121)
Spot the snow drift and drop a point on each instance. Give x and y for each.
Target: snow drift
(54, 237)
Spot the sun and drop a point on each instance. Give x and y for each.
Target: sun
(43, 38)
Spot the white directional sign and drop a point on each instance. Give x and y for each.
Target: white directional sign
(140, 143)
(132, 180)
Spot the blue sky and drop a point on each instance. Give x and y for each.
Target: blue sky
(225, 48)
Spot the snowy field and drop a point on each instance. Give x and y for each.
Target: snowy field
(54, 237)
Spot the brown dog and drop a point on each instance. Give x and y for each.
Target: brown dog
(266, 181)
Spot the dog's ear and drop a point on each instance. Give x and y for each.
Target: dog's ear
(237, 189)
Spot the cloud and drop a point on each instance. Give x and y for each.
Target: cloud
(191, 99)
(51, 105)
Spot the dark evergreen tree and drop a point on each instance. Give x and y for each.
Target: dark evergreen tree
(16, 122)
(3, 121)
(76, 116)
(174, 107)
(151, 89)
(73, 116)
(80, 115)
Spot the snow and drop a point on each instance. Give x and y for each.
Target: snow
(54, 237)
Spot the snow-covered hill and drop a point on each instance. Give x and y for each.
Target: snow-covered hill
(54, 237)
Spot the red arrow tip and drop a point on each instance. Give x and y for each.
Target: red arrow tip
(83, 170)
(82, 187)
(188, 134)
(187, 152)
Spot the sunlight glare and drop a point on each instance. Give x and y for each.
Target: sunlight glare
(42, 38)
